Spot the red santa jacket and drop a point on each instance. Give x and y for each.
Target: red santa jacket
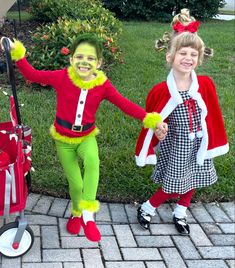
(77, 104)
(164, 98)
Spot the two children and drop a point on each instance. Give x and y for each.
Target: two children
(187, 102)
(80, 89)
(195, 133)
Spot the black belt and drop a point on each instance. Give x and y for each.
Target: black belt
(75, 128)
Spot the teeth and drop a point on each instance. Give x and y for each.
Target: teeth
(83, 69)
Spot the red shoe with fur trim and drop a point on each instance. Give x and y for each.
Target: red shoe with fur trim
(73, 225)
(91, 231)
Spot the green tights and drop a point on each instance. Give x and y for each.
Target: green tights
(80, 188)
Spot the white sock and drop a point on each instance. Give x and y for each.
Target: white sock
(87, 216)
(148, 208)
(180, 211)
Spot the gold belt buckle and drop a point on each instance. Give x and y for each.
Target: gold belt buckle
(77, 128)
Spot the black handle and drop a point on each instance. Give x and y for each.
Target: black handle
(11, 75)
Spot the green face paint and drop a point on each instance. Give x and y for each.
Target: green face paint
(85, 61)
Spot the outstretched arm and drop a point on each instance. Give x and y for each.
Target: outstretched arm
(149, 120)
(18, 52)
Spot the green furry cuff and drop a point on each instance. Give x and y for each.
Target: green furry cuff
(92, 206)
(151, 120)
(19, 51)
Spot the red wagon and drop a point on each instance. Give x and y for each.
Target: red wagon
(16, 238)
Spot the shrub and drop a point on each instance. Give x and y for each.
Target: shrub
(50, 10)
(162, 10)
(52, 42)
(203, 10)
(141, 10)
(67, 19)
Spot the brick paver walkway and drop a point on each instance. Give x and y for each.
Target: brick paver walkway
(124, 244)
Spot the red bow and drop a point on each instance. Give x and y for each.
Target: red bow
(191, 104)
(191, 27)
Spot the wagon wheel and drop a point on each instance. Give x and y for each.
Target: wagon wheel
(7, 235)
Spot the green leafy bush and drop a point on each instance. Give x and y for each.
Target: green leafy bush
(52, 42)
(65, 20)
(50, 10)
(201, 9)
(162, 10)
(141, 10)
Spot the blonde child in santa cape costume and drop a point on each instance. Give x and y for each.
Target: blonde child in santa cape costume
(79, 89)
(195, 133)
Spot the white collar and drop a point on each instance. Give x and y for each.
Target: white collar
(173, 88)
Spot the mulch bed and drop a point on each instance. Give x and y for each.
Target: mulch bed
(21, 31)
(18, 30)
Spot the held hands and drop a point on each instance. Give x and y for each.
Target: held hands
(154, 121)
(161, 131)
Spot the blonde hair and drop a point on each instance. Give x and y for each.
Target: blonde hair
(186, 39)
(183, 17)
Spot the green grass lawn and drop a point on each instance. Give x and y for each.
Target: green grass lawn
(120, 179)
(226, 12)
(14, 15)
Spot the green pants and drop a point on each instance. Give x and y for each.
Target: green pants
(80, 188)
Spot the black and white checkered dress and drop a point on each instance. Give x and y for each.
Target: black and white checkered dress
(176, 167)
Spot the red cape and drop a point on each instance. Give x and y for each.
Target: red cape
(164, 97)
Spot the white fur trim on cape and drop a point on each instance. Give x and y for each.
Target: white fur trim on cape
(141, 159)
(217, 151)
(175, 100)
(194, 94)
(149, 160)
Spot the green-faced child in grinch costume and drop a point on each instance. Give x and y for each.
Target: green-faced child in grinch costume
(79, 89)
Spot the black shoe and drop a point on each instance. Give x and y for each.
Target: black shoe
(143, 218)
(181, 226)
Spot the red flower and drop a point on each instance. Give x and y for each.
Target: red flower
(113, 49)
(28, 82)
(64, 51)
(45, 36)
(110, 40)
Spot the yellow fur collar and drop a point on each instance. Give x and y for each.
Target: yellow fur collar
(77, 81)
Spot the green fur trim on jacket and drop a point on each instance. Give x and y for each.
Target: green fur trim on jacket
(92, 206)
(77, 81)
(19, 51)
(151, 120)
(57, 136)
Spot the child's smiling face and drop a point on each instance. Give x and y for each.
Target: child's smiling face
(85, 61)
(185, 60)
